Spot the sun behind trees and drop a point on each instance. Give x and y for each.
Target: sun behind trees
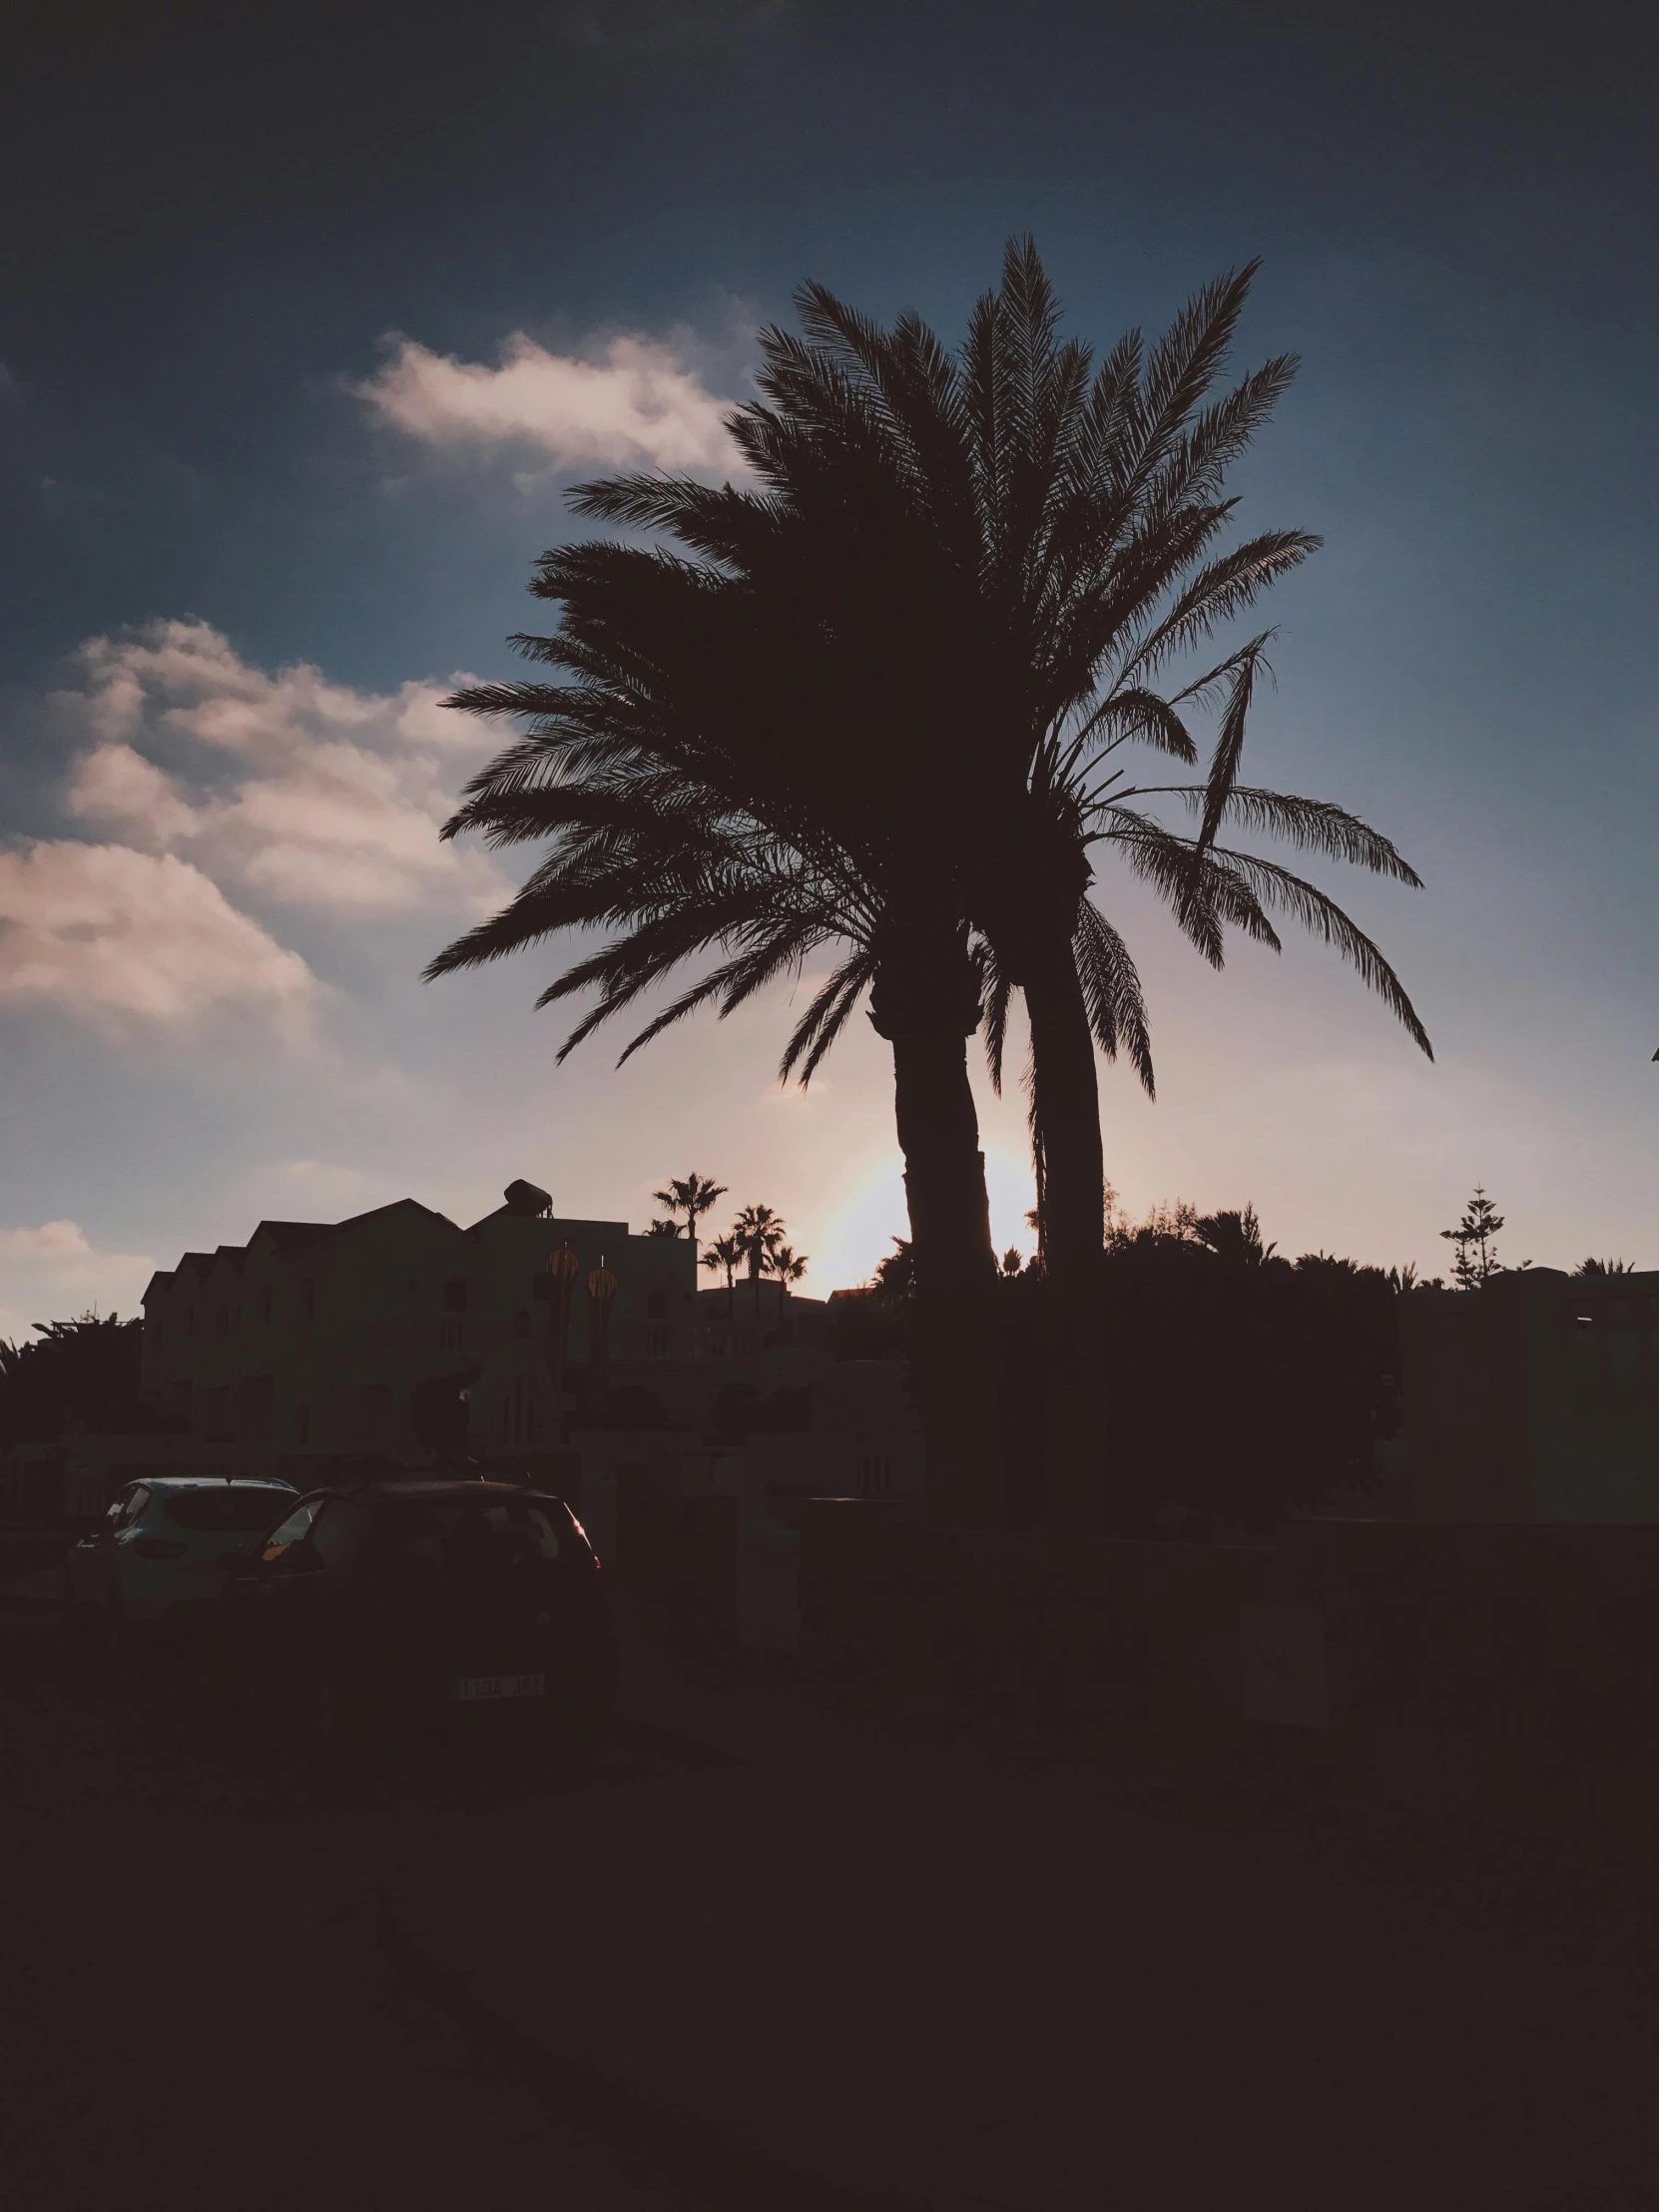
(879, 702)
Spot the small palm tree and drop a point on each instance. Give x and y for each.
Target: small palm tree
(691, 1195)
(759, 1233)
(725, 1256)
(785, 1266)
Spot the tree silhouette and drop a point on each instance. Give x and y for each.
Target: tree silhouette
(758, 1231)
(879, 700)
(691, 1195)
(1475, 1238)
(723, 1256)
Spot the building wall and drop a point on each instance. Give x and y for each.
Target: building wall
(314, 1339)
(1535, 1398)
(359, 1337)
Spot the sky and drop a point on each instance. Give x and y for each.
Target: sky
(309, 314)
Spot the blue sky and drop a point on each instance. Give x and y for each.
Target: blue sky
(308, 318)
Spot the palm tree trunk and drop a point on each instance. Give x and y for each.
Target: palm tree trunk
(954, 1321)
(1066, 1105)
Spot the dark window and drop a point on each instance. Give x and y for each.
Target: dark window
(875, 1474)
(127, 1509)
(338, 1532)
(308, 1300)
(458, 1535)
(263, 1307)
(656, 1306)
(228, 1507)
(454, 1294)
(655, 1344)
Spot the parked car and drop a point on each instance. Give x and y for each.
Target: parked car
(159, 1557)
(473, 1606)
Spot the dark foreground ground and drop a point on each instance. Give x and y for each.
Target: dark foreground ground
(751, 1956)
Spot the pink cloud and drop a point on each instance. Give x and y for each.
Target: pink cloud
(638, 405)
(306, 791)
(105, 933)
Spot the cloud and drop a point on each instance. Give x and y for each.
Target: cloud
(55, 1271)
(107, 932)
(638, 405)
(290, 788)
(52, 1240)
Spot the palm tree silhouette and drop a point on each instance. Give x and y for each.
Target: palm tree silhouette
(724, 1254)
(759, 1233)
(878, 701)
(691, 1195)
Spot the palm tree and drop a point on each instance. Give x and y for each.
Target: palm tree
(878, 698)
(691, 1195)
(758, 1231)
(1070, 521)
(785, 1266)
(725, 1254)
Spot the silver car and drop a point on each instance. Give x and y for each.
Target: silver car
(161, 1553)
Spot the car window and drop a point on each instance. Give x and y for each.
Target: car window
(291, 1532)
(134, 1507)
(337, 1531)
(452, 1534)
(227, 1509)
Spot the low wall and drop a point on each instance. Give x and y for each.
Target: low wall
(1493, 1666)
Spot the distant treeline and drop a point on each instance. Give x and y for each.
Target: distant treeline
(1239, 1386)
(84, 1371)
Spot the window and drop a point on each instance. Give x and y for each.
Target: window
(308, 1300)
(337, 1533)
(225, 1506)
(282, 1546)
(451, 1334)
(875, 1474)
(656, 1342)
(656, 1306)
(263, 1306)
(461, 1535)
(454, 1294)
(520, 1412)
(127, 1509)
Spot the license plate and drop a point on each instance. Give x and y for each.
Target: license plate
(502, 1685)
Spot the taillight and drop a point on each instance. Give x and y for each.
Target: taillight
(152, 1547)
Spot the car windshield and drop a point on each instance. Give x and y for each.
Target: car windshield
(224, 1509)
(457, 1533)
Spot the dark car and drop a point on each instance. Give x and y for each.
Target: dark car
(471, 1606)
